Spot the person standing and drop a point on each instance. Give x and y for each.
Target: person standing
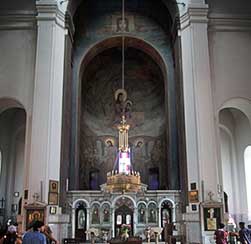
(220, 235)
(46, 230)
(11, 235)
(244, 234)
(35, 236)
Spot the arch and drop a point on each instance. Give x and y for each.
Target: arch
(166, 199)
(115, 41)
(105, 202)
(13, 119)
(8, 103)
(239, 103)
(95, 203)
(97, 48)
(123, 196)
(151, 202)
(80, 200)
(234, 130)
(141, 202)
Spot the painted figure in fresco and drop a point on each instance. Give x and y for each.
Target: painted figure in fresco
(95, 215)
(128, 110)
(165, 217)
(122, 27)
(119, 104)
(138, 153)
(120, 98)
(142, 215)
(81, 219)
(110, 155)
(156, 152)
(106, 215)
(152, 216)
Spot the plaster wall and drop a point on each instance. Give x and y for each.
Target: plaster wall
(17, 49)
(230, 58)
(243, 135)
(227, 167)
(230, 6)
(21, 5)
(12, 134)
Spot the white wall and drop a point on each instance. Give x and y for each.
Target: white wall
(227, 167)
(17, 49)
(230, 54)
(230, 57)
(243, 139)
(12, 139)
(230, 6)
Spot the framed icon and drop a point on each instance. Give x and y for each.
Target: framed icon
(33, 215)
(212, 217)
(193, 196)
(53, 198)
(53, 210)
(53, 186)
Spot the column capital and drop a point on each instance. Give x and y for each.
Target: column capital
(48, 10)
(196, 13)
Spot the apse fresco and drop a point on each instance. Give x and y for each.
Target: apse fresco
(145, 112)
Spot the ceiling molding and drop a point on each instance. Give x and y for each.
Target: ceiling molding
(17, 20)
(229, 22)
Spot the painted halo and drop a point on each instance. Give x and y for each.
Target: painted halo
(117, 92)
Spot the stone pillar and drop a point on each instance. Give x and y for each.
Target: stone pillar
(46, 122)
(73, 222)
(199, 112)
(113, 221)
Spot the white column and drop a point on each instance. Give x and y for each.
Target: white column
(73, 221)
(198, 105)
(113, 221)
(47, 100)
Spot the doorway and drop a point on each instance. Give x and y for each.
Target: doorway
(123, 216)
(80, 222)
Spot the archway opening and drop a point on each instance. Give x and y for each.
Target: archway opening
(235, 134)
(145, 85)
(12, 144)
(81, 220)
(96, 30)
(247, 160)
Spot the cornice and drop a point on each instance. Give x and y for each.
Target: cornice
(195, 14)
(229, 22)
(49, 11)
(17, 20)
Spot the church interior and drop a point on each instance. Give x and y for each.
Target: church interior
(126, 120)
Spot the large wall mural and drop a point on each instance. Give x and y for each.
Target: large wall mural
(152, 106)
(145, 112)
